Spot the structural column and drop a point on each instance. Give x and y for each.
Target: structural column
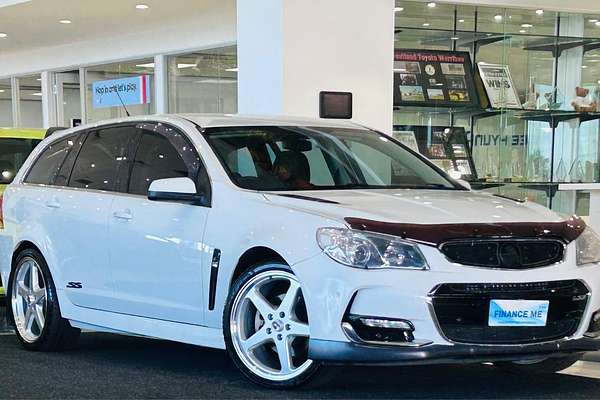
(290, 50)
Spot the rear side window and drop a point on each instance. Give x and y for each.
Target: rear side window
(48, 164)
(102, 154)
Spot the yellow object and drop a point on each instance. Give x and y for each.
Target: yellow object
(15, 133)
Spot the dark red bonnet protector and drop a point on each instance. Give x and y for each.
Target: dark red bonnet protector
(436, 234)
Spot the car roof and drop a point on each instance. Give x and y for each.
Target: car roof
(18, 133)
(225, 120)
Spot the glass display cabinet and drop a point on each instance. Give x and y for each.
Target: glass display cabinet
(553, 59)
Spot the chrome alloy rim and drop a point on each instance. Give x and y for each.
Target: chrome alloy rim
(269, 326)
(29, 300)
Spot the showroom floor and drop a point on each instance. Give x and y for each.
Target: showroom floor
(110, 366)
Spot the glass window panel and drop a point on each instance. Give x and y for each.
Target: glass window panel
(155, 158)
(429, 15)
(203, 81)
(130, 69)
(100, 158)
(516, 21)
(30, 101)
(6, 119)
(49, 162)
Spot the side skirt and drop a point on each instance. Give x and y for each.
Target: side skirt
(104, 321)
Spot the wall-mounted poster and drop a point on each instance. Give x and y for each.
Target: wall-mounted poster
(499, 86)
(433, 78)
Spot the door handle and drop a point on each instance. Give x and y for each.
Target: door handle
(53, 203)
(123, 214)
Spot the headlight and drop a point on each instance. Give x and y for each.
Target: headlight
(369, 250)
(588, 247)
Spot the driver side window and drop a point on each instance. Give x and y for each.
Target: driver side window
(163, 153)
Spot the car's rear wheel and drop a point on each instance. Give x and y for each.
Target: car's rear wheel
(542, 366)
(267, 329)
(34, 308)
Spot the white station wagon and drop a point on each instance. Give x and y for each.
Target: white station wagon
(292, 244)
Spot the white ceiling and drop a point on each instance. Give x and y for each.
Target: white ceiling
(32, 24)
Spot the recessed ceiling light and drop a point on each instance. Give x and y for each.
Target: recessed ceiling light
(235, 69)
(3, 35)
(454, 38)
(36, 94)
(461, 20)
(184, 65)
(584, 66)
(38, 79)
(522, 31)
(539, 12)
(597, 23)
(498, 17)
(431, 4)
(1, 90)
(593, 20)
(147, 65)
(526, 26)
(142, 6)
(426, 24)
(398, 9)
(65, 21)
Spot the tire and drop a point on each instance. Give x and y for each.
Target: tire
(49, 331)
(278, 359)
(546, 366)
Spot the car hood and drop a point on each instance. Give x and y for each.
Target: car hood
(414, 206)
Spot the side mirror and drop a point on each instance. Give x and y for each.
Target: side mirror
(179, 190)
(464, 184)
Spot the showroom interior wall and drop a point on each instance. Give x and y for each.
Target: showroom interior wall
(289, 51)
(209, 24)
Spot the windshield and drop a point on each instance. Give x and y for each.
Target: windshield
(317, 158)
(13, 153)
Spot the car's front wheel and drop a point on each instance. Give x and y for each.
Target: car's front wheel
(267, 329)
(34, 307)
(542, 366)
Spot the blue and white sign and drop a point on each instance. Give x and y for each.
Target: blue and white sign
(116, 92)
(518, 312)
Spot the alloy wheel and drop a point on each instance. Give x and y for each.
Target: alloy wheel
(29, 300)
(269, 326)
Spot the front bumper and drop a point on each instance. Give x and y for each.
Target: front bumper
(333, 291)
(353, 353)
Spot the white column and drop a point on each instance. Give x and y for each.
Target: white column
(289, 51)
(161, 98)
(83, 94)
(48, 100)
(16, 101)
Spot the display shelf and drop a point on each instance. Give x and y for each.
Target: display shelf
(555, 117)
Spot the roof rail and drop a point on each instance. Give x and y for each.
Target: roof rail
(54, 129)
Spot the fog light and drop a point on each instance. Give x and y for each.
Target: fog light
(386, 323)
(379, 330)
(594, 329)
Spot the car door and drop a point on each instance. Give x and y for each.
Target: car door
(83, 207)
(156, 247)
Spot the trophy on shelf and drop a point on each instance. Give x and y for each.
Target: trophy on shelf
(553, 99)
(532, 95)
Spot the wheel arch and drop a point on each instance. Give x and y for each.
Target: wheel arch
(252, 257)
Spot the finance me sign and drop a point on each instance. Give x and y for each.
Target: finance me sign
(116, 92)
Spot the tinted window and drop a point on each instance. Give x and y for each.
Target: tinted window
(62, 178)
(100, 158)
(164, 152)
(49, 162)
(155, 159)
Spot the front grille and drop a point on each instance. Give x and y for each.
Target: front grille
(462, 310)
(505, 254)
